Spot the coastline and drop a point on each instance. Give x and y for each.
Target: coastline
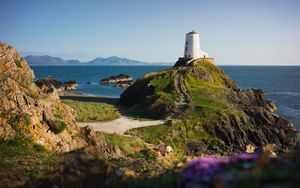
(87, 98)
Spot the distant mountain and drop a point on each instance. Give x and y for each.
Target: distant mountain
(47, 60)
(114, 60)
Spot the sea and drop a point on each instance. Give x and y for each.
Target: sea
(281, 83)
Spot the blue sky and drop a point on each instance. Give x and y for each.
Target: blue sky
(241, 32)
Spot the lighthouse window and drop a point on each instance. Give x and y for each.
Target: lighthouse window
(186, 42)
(185, 48)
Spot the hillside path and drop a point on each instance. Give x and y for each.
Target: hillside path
(120, 125)
(184, 98)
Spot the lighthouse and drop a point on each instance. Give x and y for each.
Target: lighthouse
(192, 53)
(192, 46)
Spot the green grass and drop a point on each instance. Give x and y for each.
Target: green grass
(21, 159)
(18, 63)
(59, 128)
(127, 144)
(159, 104)
(93, 111)
(164, 88)
(204, 94)
(211, 104)
(179, 133)
(19, 146)
(151, 134)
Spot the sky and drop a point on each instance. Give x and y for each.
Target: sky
(256, 32)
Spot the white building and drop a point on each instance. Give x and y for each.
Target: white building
(192, 46)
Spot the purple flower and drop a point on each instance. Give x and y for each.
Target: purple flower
(243, 157)
(203, 168)
(161, 149)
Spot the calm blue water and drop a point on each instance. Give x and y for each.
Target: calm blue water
(282, 84)
(93, 74)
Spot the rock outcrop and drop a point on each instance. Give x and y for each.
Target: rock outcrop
(97, 141)
(121, 80)
(28, 112)
(47, 83)
(208, 102)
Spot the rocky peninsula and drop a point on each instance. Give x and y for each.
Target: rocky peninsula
(207, 107)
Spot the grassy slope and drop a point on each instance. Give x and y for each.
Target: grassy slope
(157, 105)
(93, 111)
(127, 144)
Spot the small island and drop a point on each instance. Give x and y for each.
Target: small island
(121, 80)
(47, 82)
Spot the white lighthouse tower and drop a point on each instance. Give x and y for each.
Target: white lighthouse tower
(192, 53)
(192, 46)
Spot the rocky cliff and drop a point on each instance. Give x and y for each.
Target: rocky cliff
(208, 109)
(27, 112)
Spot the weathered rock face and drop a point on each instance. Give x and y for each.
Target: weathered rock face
(100, 147)
(207, 98)
(26, 111)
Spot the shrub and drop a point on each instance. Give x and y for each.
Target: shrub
(56, 126)
(18, 63)
(147, 154)
(194, 147)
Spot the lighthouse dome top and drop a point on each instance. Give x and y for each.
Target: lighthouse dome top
(192, 32)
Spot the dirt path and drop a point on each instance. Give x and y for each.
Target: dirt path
(120, 125)
(183, 98)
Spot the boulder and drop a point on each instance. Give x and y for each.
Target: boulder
(100, 147)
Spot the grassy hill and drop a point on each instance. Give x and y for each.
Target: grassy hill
(209, 113)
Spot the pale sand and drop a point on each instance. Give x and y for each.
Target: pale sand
(120, 125)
